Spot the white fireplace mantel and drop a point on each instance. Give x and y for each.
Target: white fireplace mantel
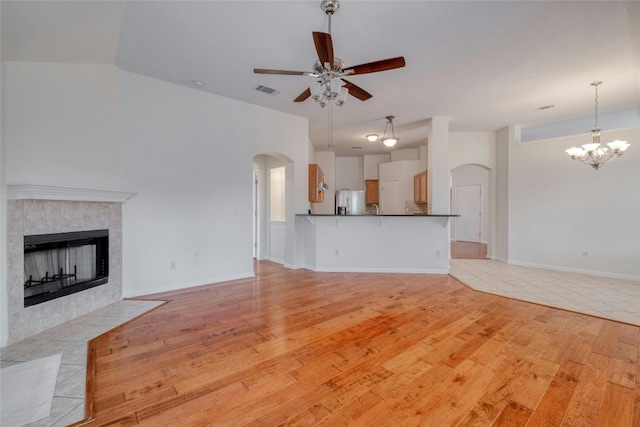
(47, 192)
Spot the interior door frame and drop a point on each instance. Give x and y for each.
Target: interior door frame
(256, 214)
(479, 210)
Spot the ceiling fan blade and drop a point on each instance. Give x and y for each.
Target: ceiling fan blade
(357, 91)
(374, 67)
(285, 72)
(303, 96)
(324, 47)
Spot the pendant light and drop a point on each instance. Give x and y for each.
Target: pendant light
(389, 141)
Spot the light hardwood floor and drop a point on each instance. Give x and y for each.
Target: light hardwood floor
(468, 250)
(294, 347)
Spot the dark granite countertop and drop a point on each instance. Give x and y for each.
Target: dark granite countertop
(384, 215)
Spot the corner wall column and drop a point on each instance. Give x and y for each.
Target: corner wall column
(438, 165)
(506, 138)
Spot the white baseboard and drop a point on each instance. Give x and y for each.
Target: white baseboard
(374, 270)
(186, 285)
(575, 270)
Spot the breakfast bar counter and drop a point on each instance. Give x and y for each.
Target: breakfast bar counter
(375, 243)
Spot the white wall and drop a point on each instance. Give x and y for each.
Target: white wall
(62, 124)
(4, 331)
(422, 154)
(560, 208)
(186, 153)
(276, 234)
(349, 173)
(501, 202)
(260, 166)
(405, 154)
(472, 148)
(371, 164)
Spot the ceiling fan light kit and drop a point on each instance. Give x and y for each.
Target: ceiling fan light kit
(594, 154)
(330, 71)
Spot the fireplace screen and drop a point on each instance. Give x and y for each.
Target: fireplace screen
(60, 264)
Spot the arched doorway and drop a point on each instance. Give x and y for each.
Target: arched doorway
(273, 217)
(470, 198)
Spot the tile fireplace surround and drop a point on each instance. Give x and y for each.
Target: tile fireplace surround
(32, 210)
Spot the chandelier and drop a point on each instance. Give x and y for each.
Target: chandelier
(595, 154)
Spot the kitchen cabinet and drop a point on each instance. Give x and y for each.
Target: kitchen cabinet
(316, 184)
(371, 191)
(420, 187)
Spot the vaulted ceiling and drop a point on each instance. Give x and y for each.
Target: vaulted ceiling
(483, 64)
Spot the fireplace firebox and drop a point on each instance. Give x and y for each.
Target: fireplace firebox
(60, 264)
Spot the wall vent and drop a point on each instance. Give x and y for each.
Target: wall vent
(266, 89)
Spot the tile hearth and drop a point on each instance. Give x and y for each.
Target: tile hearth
(71, 339)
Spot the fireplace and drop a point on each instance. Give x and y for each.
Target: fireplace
(42, 210)
(61, 264)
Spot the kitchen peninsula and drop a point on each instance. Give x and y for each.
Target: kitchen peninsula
(375, 243)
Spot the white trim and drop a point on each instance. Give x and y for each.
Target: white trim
(47, 192)
(375, 270)
(187, 285)
(576, 270)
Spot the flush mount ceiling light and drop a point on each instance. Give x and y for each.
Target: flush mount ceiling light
(594, 154)
(389, 141)
(372, 137)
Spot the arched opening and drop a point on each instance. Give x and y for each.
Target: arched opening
(471, 195)
(273, 218)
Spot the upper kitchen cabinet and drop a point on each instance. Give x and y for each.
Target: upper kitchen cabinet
(316, 184)
(420, 187)
(371, 191)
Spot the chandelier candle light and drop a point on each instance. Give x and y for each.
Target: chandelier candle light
(595, 154)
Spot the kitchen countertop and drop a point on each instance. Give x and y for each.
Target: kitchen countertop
(383, 215)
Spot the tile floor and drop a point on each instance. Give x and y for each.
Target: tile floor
(614, 299)
(71, 339)
(603, 297)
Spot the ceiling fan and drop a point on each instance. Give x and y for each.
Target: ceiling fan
(329, 71)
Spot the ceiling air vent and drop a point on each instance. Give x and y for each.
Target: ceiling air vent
(266, 89)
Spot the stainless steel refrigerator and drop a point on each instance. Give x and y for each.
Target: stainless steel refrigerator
(350, 202)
